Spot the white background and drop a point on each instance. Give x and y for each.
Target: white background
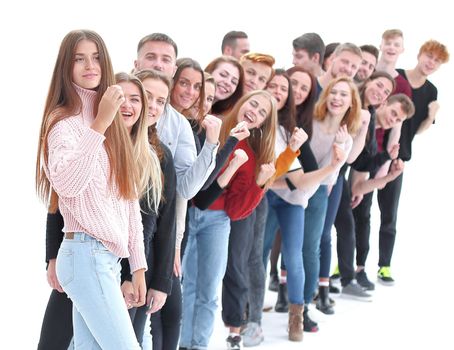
(31, 32)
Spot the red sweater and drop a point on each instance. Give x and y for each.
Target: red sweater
(242, 195)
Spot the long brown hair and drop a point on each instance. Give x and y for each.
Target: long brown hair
(262, 139)
(151, 181)
(352, 116)
(63, 101)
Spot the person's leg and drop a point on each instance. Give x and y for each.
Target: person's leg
(313, 226)
(189, 268)
(388, 202)
(362, 229)
(139, 319)
(345, 228)
(212, 247)
(235, 282)
(256, 269)
(325, 241)
(57, 327)
(90, 274)
(170, 318)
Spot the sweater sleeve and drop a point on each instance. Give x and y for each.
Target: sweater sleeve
(164, 239)
(307, 158)
(72, 160)
(221, 159)
(284, 161)
(54, 234)
(136, 249)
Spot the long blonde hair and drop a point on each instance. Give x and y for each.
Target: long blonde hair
(263, 138)
(63, 101)
(352, 116)
(146, 159)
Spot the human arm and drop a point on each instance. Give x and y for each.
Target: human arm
(433, 108)
(291, 152)
(360, 138)
(54, 237)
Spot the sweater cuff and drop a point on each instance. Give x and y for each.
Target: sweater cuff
(163, 284)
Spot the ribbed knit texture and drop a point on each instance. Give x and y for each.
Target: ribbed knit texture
(78, 169)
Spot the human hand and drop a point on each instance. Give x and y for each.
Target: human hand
(108, 106)
(356, 199)
(266, 171)
(127, 290)
(396, 168)
(341, 134)
(177, 263)
(155, 300)
(212, 126)
(240, 131)
(393, 151)
(239, 158)
(338, 157)
(140, 290)
(52, 276)
(298, 137)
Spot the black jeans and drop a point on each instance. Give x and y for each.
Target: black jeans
(57, 327)
(345, 228)
(388, 202)
(235, 282)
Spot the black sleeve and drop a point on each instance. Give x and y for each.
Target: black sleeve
(54, 234)
(204, 199)
(370, 163)
(307, 158)
(222, 156)
(163, 243)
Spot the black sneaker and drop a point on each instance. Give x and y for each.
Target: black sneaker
(333, 289)
(233, 343)
(274, 283)
(309, 325)
(363, 281)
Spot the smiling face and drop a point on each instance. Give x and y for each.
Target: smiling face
(187, 89)
(86, 71)
(227, 77)
(130, 109)
(339, 99)
(428, 63)
(391, 48)
(157, 93)
(346, 64)
(390, 114)
(157, 55)
(367, 67)
(256, 75)
(301, 85)
(377, 91)
(278, 87)
(254, 111)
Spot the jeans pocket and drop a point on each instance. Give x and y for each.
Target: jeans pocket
(65, 266)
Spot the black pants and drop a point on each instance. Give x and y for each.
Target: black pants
(346, 242)
(388, 202)
(57, 327)
(235, 282)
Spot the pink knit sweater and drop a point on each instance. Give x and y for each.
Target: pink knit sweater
(78, 169)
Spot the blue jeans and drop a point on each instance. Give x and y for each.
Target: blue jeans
(313, 226)
(90, 275)
(290, 219)
(325, 242)
(204, 264)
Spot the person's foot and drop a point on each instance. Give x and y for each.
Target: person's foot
(323, 304)
(363, 281)
(233, 342)
(384, 276)
(252, 334)
(274, 283)
(333, 289)
(282, 299)
(332, 302)
(336, 273)
(354, 291)
(309, 325)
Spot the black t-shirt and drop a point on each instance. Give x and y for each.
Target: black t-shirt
(421, 97)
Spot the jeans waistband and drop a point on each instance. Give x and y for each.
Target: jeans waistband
(78, 236)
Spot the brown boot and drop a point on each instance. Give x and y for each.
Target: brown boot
(295, 322)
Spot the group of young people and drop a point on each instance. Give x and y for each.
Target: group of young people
(167, 182)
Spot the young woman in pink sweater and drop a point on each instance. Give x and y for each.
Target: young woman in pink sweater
(87, 168)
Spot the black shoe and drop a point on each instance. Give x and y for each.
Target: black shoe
(309, 325)
(331, 300)
(282, 299)
(363, 281)
(274, 283)
(233, 343)
(323, 303)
